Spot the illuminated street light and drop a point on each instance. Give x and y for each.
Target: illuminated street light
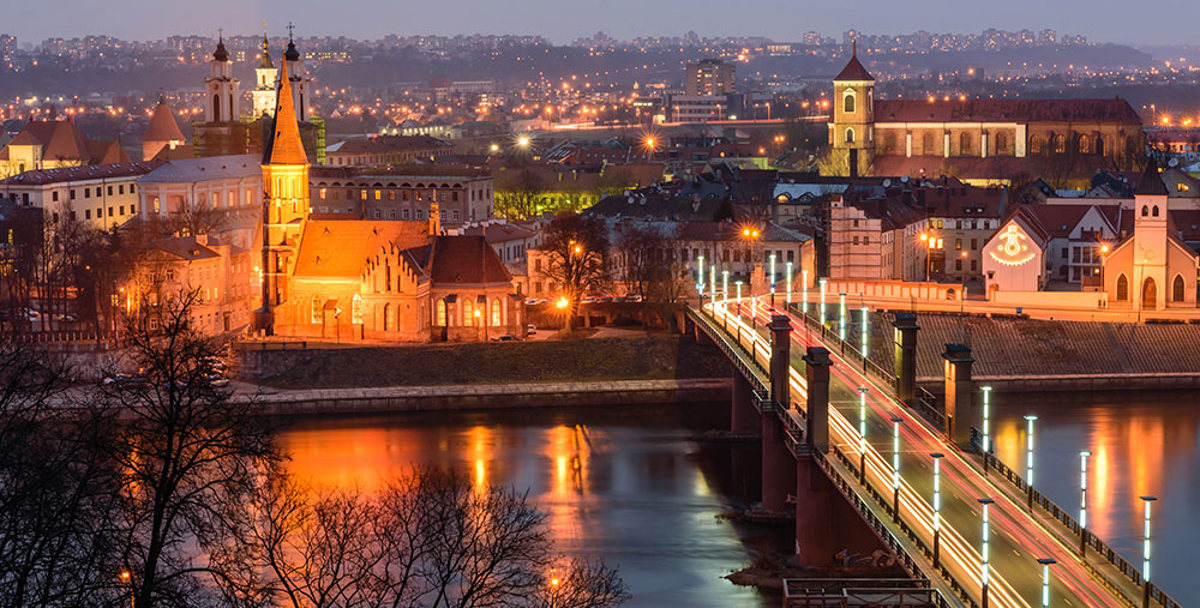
(1029, 420)
(739, 292)
(1146, 550)
(862, 434)
(1046, 563)
(523, 141)
(896, 420)
(804, 290)
(983, 553)
(937, 505)
(725, 285)
(495, 147)
(787, 269)
(987, 423)
(700, 279)
(822, 282)
(771, 258)
(865, 333)
(1083, 531)
(842, 317)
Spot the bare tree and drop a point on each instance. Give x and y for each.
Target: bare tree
(576, 249)
(187, 453)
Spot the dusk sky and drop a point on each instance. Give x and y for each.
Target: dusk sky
(562, 20)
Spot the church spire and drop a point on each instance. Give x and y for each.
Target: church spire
(265, 61)
(285, 147)
(221, 54)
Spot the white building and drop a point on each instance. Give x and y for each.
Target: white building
(233, 184)
(104, 196)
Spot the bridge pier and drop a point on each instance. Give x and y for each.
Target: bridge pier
(778, 466)
(815, 543)
(743, 418)
(961, 411)
(906, 355)
(816, 432)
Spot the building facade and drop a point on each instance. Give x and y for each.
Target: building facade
(102, 196)
(349, 194)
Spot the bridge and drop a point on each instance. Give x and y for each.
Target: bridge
(837, 428)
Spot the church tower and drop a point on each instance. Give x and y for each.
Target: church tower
(1151, 245)
(264, 83)
(222, 100)
(300, 79)
(851, 132)
(285, 202)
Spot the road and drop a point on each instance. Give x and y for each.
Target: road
(1018, 538)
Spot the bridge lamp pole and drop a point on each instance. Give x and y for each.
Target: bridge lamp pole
(772, 261)
(787, 275)
(983, 553)
(896, 420)
(987, 425)
(725, 285)
(1046, 563)
(804, 291)
(937, 506)
(712, 283)
(1146, 550)
(1029, 420)
(700, 279)
(866, 323)
(862, 434)
(1083, 529)
(842, 317)
(823, 282)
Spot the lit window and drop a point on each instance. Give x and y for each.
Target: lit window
(356, 310)
(496, 312)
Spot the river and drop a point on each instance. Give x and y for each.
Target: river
(626, 484)
(1142, 444)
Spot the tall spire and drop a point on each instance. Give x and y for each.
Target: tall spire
(265, 60)
(221, 54)
(285, 147)
(291, 54)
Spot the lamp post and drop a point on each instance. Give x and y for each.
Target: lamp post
(804, 290)
(842, 317)
(928, 243)
(937, 505)
(787, 271)
(724, 285)
(337, 326)
(862, 434)
(739, 294)
(822, 282)
(772, 264)
(700, 279)
(987, 423)
(1029, 420)
(1046, 563)
(712, 283)
(127, 577)
(983, 553)
(1083, 529)
(1146, 550)
(865, 336)
(896, 420)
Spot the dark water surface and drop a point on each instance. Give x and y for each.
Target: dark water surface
(1142, 444)
(627, 484)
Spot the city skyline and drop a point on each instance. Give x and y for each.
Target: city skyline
(775, 19)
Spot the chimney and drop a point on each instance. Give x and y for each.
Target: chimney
(435, 219)
(202, 239)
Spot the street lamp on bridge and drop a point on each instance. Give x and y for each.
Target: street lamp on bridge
(772, 260)
(862, 434)
(937, 505)
(983, 553)
(787, 268)
(1083, 529)
(700, 279)
(1046, 563)
(987, 425)
(823, 282)
(725, 285)
(804, 291)
(1029, 420)
(1146, 550)
(866, 324)
(896, 420)
(842, 317)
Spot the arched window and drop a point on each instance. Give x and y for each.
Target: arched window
(1001, 142)
(231, 104)
(441, 313)
(495, 312)
(927, 143)
(964, 144)
(849, 136)
(1122, 288)
(1037, 144)
(1177, 289)
(468, 314)
(387, 317)
(315, 312)
(216, 108)
(1085, 144)
(356, 310)
(848, 102)
(1145, 211)
(1154, 211)
(1149, 293)
(1060, 144)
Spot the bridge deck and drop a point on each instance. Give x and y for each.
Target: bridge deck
(1018, 536)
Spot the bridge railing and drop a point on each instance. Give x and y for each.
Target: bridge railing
(849, 351)
(1093, 541)
(893, 543)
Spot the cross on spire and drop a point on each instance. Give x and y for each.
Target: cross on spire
(220, 35)
(291, 27)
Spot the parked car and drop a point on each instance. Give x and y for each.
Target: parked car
(31, 314)
(531, 330)
(506, 338)
(218, 380)
(124, 381)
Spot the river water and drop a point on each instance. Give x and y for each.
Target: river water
(631, 485)
(626, 484)
(1142, 444)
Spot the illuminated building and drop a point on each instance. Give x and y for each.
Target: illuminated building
(982, 141)
(52, 144)
(163, 139)
(263, 95)
(102, 196)
(711, 77)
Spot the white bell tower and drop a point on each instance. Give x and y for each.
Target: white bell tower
(221, 87)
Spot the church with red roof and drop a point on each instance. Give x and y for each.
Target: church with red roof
(981, 141)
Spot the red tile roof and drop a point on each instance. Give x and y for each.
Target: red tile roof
(162, 125)
(466, 259)
(61, 140)
(340, 248)
(1006, 110)
(83, 172)
(854, 70)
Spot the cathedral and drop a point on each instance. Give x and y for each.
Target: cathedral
(981, 141)
(374, 280)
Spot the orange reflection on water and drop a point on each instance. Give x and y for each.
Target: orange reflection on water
(567, 448)
(360, 459)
